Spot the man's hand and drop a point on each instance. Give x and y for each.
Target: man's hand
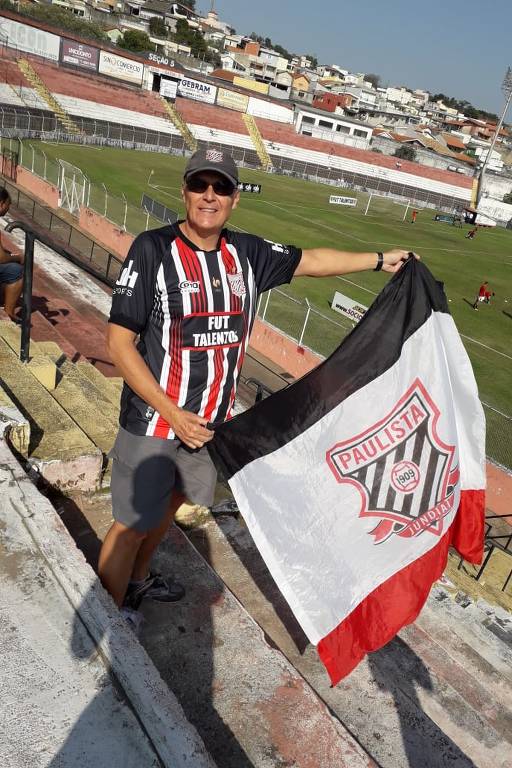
(394, 260)
(189, 427)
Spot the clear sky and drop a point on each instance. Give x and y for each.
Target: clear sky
(458, 48)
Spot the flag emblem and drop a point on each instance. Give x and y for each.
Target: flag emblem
(214, 156)
(403, 471)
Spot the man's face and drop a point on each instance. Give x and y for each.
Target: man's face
(4, 207)
(209, 209)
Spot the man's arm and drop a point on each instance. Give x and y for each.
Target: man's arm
(188, 427)
(326, 262)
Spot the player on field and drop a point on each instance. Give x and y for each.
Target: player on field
(182, 313)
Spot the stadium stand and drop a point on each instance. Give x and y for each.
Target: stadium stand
(120, 112)
(15, 88)
(287, 148)
(218, 126)
(95, 110)
(63, 82)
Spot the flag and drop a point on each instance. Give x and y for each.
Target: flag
(356, 479)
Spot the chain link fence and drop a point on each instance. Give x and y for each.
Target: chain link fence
(322, 334)
(77, 190)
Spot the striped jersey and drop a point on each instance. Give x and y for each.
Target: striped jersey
(193, 311)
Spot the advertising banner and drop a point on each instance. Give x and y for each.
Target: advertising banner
(337, 200)
(247, 187)
(123, 69)
(345, 306)
(79, 55)
(251, 85)
(269, 110)
(158, 58)
(30, 39)
(168, 88)
(197, 90)
(232, 100)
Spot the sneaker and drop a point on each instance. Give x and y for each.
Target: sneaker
(155, 587)
(133, 618)
(225, 507)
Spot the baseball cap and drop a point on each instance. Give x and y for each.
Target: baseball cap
(215, 160)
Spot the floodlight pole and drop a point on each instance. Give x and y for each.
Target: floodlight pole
(506, 89)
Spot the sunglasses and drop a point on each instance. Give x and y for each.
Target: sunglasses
(222, 187)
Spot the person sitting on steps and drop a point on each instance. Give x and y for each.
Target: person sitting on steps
(11, 268)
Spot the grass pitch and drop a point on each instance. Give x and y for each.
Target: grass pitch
(294, 211)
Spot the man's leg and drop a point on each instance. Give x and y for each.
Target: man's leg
(12, 292)
(117, 557)
(147, 548)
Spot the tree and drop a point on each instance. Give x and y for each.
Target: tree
(507, 198)
(134, 40)
(373, 79)
(62, 18)
(157, 27)
(313, 60)
(191, 37)
(405, 152)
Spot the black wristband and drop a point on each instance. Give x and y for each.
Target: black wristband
(380, 262)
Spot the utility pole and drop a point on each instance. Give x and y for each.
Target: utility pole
(506, 89)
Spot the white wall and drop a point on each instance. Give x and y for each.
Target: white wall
(261, 108)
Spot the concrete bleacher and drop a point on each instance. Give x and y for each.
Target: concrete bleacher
(215, 124)
(282, 141)
(95, 110)
(15, 89)
(63, 82)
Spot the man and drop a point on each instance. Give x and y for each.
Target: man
(11, 267)
(481, 295)
(189, 292)
(414, 217)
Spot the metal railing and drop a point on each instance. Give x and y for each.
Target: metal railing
(492, 543)
(73, 244)
(31, 236)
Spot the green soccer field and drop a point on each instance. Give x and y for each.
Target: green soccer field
(294, 211)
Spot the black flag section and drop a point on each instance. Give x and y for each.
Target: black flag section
(375, 344)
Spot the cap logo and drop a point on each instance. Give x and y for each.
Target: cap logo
(214, 156)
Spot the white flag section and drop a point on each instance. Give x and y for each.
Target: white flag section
(355, 480)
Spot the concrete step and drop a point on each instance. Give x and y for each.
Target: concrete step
(249, 705)
(437, 695)
(85, 335)
(14, 426)
(60, 451)
(12, 336)
(111, 386)
(87, 405)
(44, 330)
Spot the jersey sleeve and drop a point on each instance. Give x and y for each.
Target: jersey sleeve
(133, 294)
(272, 263)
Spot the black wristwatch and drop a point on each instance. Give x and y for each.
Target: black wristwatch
(380, 262)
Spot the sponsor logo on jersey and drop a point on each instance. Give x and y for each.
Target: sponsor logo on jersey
(402, 470)
(213, 331)
(190, 286)
(278, 247)
(126, 280)
(236, 283)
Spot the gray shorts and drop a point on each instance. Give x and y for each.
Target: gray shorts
(147, 470)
